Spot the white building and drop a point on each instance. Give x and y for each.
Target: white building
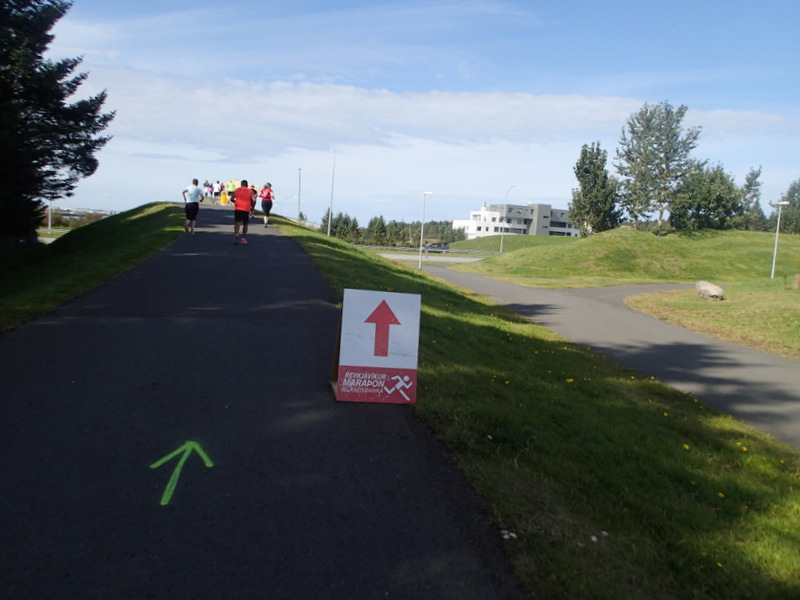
(516, 219)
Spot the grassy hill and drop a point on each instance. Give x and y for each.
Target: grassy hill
(625, 255)
(613, 485)
(758, 312)
(34, 283)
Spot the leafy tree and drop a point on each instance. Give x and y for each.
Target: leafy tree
(653, 158)
(790, 215)
(46, 143)
(752, 218)
(708, 198)
(594, 203)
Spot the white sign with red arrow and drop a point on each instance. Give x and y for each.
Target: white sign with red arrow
(378, 345)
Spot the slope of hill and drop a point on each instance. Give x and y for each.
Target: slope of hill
(625, 255)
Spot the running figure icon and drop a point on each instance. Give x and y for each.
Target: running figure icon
(402, 383)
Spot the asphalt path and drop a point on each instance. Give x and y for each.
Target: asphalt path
(760, 389)
(229, 347)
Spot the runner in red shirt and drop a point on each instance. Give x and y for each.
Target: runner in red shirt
(244, 201)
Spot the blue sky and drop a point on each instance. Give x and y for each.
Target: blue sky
(463, 98)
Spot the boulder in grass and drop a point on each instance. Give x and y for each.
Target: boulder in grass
(709, 290)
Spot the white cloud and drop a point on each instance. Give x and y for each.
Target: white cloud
(193, 100)
(466, 147)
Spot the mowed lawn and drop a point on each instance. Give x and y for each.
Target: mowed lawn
(758, 311)
(600, 483)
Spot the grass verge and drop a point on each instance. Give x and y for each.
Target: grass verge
(623, 256)
(47, 276)
(614, 485)
(763, 314)
(758, 312)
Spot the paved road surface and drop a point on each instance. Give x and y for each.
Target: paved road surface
(757, 388)
(230, 347)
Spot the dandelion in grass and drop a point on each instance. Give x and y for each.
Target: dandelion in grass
(570, 380)
(686, 446)
(720, 494)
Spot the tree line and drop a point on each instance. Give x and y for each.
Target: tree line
(394, 233)
(660, 185)
(48, 143)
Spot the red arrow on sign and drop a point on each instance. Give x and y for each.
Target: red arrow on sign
(383, 317)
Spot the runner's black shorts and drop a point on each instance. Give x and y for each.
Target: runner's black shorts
(266, 206)
(241, 216)
(192, 208)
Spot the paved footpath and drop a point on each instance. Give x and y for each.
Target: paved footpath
(229, 347)
(760, 389)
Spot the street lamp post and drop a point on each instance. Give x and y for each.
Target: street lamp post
(422, 226)
(502, 225)
(333, 178)
(777, 229)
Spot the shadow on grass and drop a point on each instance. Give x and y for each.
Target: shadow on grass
(562, 445)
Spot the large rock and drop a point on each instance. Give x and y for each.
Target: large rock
(709, 290)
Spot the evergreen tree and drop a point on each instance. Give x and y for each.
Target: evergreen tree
(594, 203)
(396, 233)
(653, 158)
(323, 223)
(375, 234)
(46, 143)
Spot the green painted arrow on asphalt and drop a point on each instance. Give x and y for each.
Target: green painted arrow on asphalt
(173, 481)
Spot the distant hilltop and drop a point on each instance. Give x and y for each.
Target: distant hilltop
(75, 213)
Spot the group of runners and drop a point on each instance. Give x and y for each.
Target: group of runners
(244, 198)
